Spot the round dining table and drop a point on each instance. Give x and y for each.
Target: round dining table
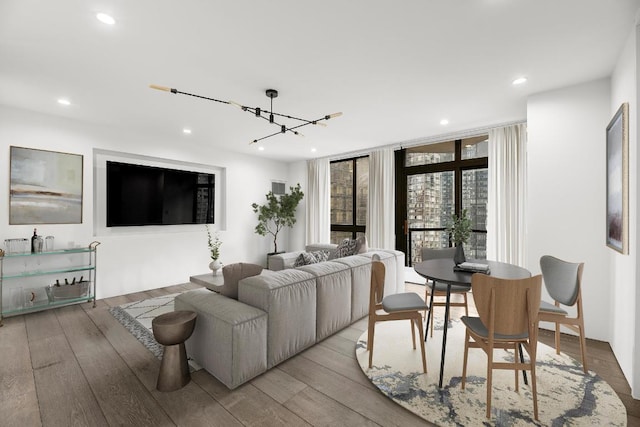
(442, 270)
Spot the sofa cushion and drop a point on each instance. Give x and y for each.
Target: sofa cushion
(306, 258)
(289, 298)
(333, 289)
(360, 268)
(232, 274)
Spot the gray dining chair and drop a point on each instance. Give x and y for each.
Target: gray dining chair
(441, 288)
(400, 306)
(562, 281)
(507, 318)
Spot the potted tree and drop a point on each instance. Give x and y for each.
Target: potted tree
(459, 229)
(277, 213)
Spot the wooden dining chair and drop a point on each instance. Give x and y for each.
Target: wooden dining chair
(402, 306)
(507, 318)
(563, 280)
(439, 288)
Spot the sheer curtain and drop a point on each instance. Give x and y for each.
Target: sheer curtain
(318, 202)
(381, 214)
(507, 194)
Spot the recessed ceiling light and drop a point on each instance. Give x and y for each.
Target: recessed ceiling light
(444, 122)
(313, 150)
(105, 19)
(63, 101)
(187, 131)
(261, 148)
(519, 81)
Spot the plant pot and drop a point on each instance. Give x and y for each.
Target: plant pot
(459, 257)
(215, 266)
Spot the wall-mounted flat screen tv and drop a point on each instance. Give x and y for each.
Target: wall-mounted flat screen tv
(148, 195)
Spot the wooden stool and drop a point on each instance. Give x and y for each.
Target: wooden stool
(172, 330)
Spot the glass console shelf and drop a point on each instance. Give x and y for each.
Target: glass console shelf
(32, 282)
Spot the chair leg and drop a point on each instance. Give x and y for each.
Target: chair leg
(583, 347)
(464, 363)
(431, 314)
(466, 306)
(418, 322)
(489, 380)
(413, 333)
(534, 390)
(371, 334)
(515, 371)
(557, 337)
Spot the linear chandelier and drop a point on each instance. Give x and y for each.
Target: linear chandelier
(269, 115)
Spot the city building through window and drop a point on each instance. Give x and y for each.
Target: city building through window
(435, 181)
(349, 198)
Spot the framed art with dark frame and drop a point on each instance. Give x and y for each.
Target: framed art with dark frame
(45, 187)
(618, 180)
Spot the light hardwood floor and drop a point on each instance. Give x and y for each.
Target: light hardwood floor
(77, 366)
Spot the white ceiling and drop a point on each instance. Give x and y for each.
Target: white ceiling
(394, 68)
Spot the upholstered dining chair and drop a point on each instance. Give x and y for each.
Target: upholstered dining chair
(507, 318)
(563, 280)
(439, 288)
(401, 306)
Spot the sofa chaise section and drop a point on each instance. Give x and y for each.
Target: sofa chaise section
(230, 337)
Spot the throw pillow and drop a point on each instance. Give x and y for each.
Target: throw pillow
(346, 248)
(233, 273)
(306, 258)
(361, 245)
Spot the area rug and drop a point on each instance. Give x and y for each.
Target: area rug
(566, 396)
(137, 316)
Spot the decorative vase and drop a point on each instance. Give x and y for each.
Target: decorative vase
(215, 266)
(459, 257)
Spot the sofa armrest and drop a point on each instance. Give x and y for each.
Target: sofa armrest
(282, 261)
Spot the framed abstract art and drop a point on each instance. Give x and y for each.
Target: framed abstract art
(618, 180)
(45, 187)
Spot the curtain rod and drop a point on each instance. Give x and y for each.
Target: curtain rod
(426, 140)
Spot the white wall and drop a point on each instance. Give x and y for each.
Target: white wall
(566, 186)
(140, 261)
(297, 235)
(625, 341)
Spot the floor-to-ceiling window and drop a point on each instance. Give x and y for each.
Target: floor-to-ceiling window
(349, 198)
(435, 181)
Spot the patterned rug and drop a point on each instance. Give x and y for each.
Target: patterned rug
(136, 317)
(566, 396)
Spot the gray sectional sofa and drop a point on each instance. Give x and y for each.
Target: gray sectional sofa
(280, 313)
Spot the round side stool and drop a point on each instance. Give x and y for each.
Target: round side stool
(172, 330)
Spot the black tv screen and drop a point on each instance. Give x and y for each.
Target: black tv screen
(148, 195)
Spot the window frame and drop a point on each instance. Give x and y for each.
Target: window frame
(352, 228)
(458, 166)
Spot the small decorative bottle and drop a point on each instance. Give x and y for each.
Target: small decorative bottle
(33, 241)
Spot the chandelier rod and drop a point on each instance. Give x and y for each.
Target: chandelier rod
(257, 111)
